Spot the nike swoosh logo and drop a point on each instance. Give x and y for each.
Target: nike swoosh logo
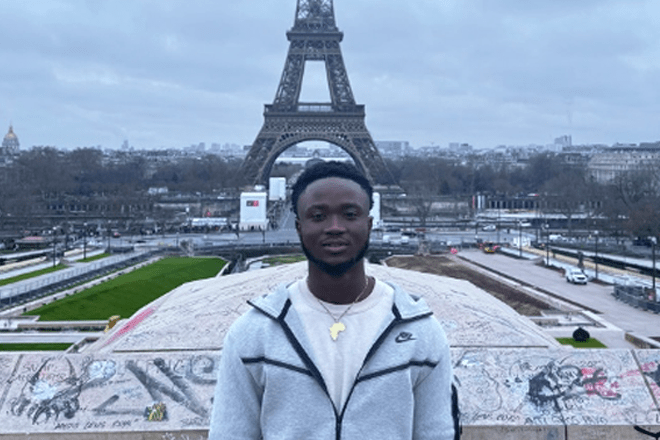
(404, 337)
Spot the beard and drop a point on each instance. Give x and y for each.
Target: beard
(336, 270)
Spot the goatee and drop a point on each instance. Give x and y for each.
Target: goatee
(336, 270)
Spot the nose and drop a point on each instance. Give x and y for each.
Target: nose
(335, 225)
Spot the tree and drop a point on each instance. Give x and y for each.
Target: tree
(567, 193)
(639, 192)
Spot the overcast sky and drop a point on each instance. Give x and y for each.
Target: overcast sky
(170, 73)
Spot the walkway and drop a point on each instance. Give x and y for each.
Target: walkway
(594, 295)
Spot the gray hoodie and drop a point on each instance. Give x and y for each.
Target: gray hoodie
(270, 388)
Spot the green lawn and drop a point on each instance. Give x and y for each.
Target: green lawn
(28, 275)
(34, 347)
(128, 293)
(590, 343)
(94, 258)
(283, 259)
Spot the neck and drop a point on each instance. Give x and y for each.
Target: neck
(339, 290)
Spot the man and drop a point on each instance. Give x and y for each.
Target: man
(339, 354)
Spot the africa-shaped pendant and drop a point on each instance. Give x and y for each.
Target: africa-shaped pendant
(335, 329)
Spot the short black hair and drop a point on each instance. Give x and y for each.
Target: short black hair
(324, 170)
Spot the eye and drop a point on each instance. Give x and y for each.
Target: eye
(317, 216)
(351, 214)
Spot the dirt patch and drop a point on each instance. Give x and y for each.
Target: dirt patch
(541, 263)
(438, 265)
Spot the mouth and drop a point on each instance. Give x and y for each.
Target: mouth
(335, 246)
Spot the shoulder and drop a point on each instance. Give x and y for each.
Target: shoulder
(414, 309)
(260, 319)
(409, 305)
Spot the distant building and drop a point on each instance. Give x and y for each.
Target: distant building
(393, 149)
(227, 150)
(563, 141)
(605, 167)
(464, 149)
(10, 144)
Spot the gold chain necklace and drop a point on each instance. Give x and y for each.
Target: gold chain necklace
(339, 326)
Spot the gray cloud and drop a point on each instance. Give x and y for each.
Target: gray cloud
(168, 73)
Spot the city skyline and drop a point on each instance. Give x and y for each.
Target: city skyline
(171, 74)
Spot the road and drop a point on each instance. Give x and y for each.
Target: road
(593, 295)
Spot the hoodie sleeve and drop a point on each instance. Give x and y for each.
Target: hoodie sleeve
(237, 399)
(434, 415)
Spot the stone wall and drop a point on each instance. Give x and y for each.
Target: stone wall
(503, 393)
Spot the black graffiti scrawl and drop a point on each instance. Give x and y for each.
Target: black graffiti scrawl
(559, 383)
(655, 435)
(177, 388)
(53, 391)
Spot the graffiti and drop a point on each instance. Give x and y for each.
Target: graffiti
(654, 375)
(54, 389)
(130, 325)
(596, 383)
(655, 435)
(555, 383)
(199, 371)
(72, 393)
(156, 413)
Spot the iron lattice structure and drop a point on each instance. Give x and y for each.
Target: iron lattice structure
(287, 121)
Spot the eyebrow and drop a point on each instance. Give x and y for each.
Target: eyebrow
(345, 205)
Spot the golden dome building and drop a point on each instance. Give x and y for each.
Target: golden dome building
(10, 143)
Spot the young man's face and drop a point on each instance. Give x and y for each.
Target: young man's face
(334, 224)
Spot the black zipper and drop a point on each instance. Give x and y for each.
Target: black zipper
(314, 371)
(398, 320)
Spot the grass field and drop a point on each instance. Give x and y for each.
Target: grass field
(29, 275)
(94, 258)
(126, 294)
(590, 343)
(283, 259)
(34, 347)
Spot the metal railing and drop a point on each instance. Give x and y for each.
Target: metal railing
(637, 296)
(67, 277)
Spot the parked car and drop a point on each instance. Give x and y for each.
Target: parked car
(576, 276)
(489, 228)
(489, 247)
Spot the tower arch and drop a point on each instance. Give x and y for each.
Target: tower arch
(287, 121)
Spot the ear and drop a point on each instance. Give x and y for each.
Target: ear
(298, 226)
(371, 223)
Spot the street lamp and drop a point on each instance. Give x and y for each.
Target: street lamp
(653, 239)
(498, 222)
(547, 247)
(54, 245)
(596, 256)
(520, 237)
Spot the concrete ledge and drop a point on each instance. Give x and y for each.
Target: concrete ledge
(512, 394)
(147, 435)
(63, 325)
(642, 341)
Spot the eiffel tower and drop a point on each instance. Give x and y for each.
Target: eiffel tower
(287, 121)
